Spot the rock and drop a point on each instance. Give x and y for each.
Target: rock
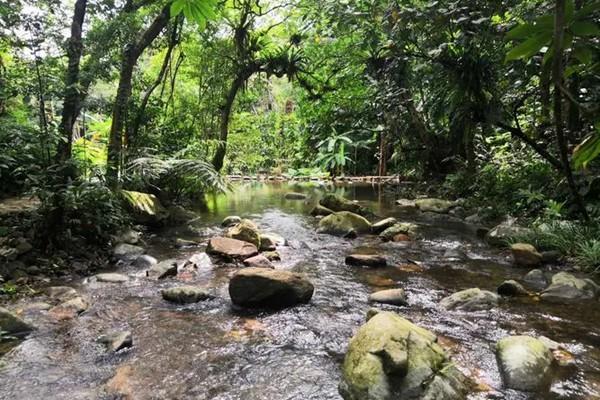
(117, 341)
(337, 203)
(401, 237)
(367, 260)
(474, 219)
(245, 231)
(199, 261)
(272, 255)
(341, 223)
(70, 308)
(146, 209)
(185, 294)
(258, 261)
(231, 221)
(112, 278)
(406, 205)
(501, 234)
(551, 257)
(320, 211)
(13, 325)
(295, 196)
(23, 246)
(536, 279)
(391, 358)
(511, 288)
(390, 296)
(435, 205)
(524, 361)
(525, 255)
(181, 243)
(403, 228)
(145, 261)
(231, 249)
(61, 292)
(179, 215)
(38, 306)
(567, 288)
(129, 236)
(473, 299)
(270, 241)
(384, 224)
(127, 252)
(163, 270)
(263, 287)
(9, 253)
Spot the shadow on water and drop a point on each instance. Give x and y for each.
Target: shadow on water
(211, 351)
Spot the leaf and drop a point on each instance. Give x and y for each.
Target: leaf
(585, 28)
(522, 31)
(176, 7)
(529, 47)
(583, 53)
(588, 150)
(587, 10)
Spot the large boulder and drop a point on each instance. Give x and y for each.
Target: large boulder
(435, 205)
(268, 288)
(145, 208)
(567, 288)
(13, 325)
(391, 358)
(473, 299)
(401, 228)
(344, 222)
(501, 234)
(338, 203)
(525, 255)
(384, 224)
(245, 231)
(185, 294)
(524, 361)
(536, 279)
(231, 249)
(145, 261)
(366, 260)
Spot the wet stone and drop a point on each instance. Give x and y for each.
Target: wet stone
(163, 270)
(117, 341)
(185, 294)
(511, 288)
(390, 296)
(366, 260)
(112, 278)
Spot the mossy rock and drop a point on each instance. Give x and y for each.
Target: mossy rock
(338, 203)
(145, 208)
(245, 231)
(344, 222)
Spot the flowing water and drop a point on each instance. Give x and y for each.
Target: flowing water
(210, 350)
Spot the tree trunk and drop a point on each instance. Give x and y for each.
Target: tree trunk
(131, 54)
(236, 85)
(557, 78)
(72, 100)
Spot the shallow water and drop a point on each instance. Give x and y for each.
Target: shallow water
(211, 351)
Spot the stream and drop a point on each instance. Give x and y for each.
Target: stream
(210, 350)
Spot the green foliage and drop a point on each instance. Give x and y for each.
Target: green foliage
(588, 150)
(588, 255)
(198, 11)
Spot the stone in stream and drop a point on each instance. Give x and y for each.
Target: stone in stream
(320, 211)
(551, 256)
(525, 255)
(536, 279)
(395, 297)
(163, 270)
(112, 278)
(337, 203)
(258, 261)
(127, 252)
(435, 205)
(69, 309)
(512, 288)
(391, 358)
(117, 341)
(404, 228)
(231, 221)
(270, 241)
(245, 231)
(268, 288)
(367, 260)
(129, 236)
(179, 215)
(567, 288)
(342, 223)
(473, 299)
(13, 325)
(61, 292)
(384, 224)
(501, 234)
(198, 261)
(295, 196)
(145, 261)
(181, 243)
(231, 249)
(406, 205)
(524, 362)
(272, 255)
(185, 294)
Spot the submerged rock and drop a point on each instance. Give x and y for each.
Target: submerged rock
(525, 255)
(473, 299)
(295, 196)
(567, 288)
(185, 294)
(245, 231)
(391, 358)
(145, 208)
(536, 279)
(367, 260)
(338, 203)
(259, 261)
(524, 361)
(435, 205)
(344, 222)
(321, 211)
(512, 288)
(268, 288)
(231, 221)
(402, 228)
(231, 249)
(13, 325)
(117, 341)
(163, 270)
(112, 278)
(390, 296)
(384, 224)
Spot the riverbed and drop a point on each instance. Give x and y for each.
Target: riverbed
(211, 350)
